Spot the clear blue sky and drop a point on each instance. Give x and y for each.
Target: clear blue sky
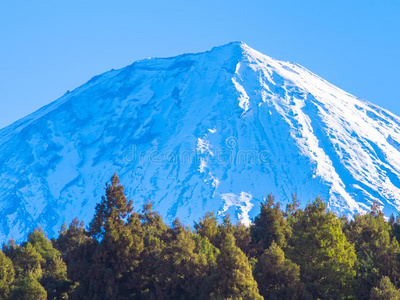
(49, 47)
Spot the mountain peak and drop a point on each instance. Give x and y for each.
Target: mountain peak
(213, 131)
(236, 49)
(234, 44)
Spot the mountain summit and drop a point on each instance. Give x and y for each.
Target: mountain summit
(214, 131)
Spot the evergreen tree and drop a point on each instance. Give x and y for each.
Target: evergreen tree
(54, 279)
(299, 254)
(152, 222)
(70, 238)
(208, 227)
(155, 233)
(385, 290)
(395, 226)
(243, 238)
(291, 208)
(119, 231)
(77, 250)
(269, 225)
(27, 259)
(43, 245)
(204, 247)
(233, 278)
(7, 275)
(277, 277)
(223, 229)
(327, 260)
(28, 288)
(183, 268)
(377, 253)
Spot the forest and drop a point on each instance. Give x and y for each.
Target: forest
(290, 253)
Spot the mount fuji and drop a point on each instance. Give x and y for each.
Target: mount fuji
(215, 131)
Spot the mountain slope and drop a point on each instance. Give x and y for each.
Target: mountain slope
(214, 131)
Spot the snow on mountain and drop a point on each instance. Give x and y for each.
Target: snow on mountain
(214, 131)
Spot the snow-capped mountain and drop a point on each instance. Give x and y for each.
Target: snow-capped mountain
(214, 131)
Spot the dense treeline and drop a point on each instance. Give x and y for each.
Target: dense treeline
(293, 254)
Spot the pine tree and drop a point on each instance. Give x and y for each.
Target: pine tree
(292, 207)
(7, 275)
(277, 277)
(183, 269)
(269, 225)
(208, 227)
(223, 229)
(395, 226)
(43, 245)
(327, 260)
(385, 290)
(27, 259)
(54, 278)
(243, 238)
(70, 238)
(204, 247)
(28, 288)
(77, 249)
(119, 231)
(233, 278)
(377, 253)
(155, 233)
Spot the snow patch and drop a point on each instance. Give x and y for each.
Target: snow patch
(241, 202)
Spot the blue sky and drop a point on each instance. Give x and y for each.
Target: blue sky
(49, 47)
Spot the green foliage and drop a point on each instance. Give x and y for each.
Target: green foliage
(155, 233)
(120, 236)
(385, 290)
(299, 254)
(28, 288)
(112, 211)
(7, 275)
(204, 247)
(77, 250)
(38, 265)
(27, 259)
(208, 227)
(277, 277)
(43, 246)
(54, 276)
(292, 208)
(243, 238)
(233, 275)
(327, 260)
(269, 226)
(377, 253)
(71, 238)
(183, 268)
(153, 226)
(395, 226)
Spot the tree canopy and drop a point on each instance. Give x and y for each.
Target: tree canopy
(302, 253)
